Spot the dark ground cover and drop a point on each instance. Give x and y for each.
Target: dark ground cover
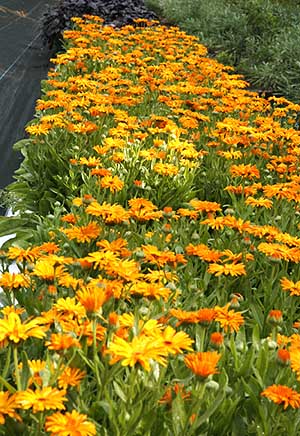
(30, 33)
(24, 62)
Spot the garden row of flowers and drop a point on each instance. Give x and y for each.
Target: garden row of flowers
(158, 292)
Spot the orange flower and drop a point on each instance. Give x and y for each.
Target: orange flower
(275, 317)
(59, 341)
(8, 404)
(216, 339)
(69, 424)
(84, 233)
(283, 356)
(172, 392)
(70, 377)
(281, 394)
(245, 171)
(203, 364)
(203, 316)
(229, 319)
(92, 297)
(259, 202)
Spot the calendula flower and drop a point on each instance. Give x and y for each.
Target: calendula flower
(47, 398)
(92, 298)
(294, 356)
(8, 406)
(205, 253)
(229, 319)
(172, 392)
(21, 254)
(69, 308)
(59, 341)
(176, 342)
(259, 202)
(14, 281)
(166, 169)
(70, 377)
(203, 364)
(12, 329)
(281, 394)
(46, 269)
(275, 317)
(289, 285)
(84, 233)
(245, 171)
(141, 349)
(113, 183)
(283, 356)
(202, 316)
(69, 424)
(232, 269)
(216, 339)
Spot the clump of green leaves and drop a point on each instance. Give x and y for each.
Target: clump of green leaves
(260, 38)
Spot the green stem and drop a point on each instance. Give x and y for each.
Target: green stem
(16, 363)
(6, 368)
(95, 356)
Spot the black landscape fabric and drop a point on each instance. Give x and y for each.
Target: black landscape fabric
(24, 62)
(30, 33)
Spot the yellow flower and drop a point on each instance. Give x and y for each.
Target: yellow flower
(47, 398)
(69, 424)
(166, 169)
(113, 183)
(176, 342)
(68, 307)
(46, 270)
(14, 281)
(12, 329)
(141, 349)
(233, 269)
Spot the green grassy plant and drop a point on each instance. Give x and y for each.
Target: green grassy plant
(260, 38)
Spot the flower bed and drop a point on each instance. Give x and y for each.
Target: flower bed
(162, 277)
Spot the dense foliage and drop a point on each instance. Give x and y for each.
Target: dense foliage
(260, 38)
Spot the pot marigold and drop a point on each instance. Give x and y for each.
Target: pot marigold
(203, 364)
(140, 350)
(69, 424)
(8, 405)
(281, 394)
(47, 398)
(12, 329)
(232, 269)
(229, 319)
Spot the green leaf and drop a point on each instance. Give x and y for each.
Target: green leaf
(25, 371)
(119, 392)
(178, 415)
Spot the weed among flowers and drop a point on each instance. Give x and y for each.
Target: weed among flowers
(158, 265)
